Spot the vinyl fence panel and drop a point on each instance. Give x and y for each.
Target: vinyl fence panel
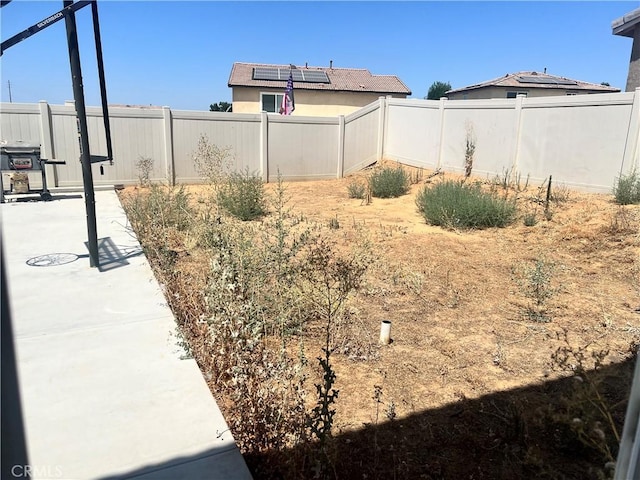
(580, 140)
(361, 137)
(237, 132)
(413, 132)
(302, 148)
(20, 121)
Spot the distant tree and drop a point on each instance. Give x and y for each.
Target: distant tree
(219, 107)
(437, 90)
(606, 84)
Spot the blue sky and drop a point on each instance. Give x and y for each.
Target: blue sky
(180, 53)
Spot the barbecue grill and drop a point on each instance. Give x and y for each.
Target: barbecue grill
(23, 171)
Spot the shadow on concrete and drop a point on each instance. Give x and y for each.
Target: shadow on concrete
(12, 437)
(221, 463)
(110, 256)
(38, 198)
(530, 432)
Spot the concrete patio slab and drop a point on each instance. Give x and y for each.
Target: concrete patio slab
(106, 391)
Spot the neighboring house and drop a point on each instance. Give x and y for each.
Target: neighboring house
(629, 26)
(318, 91)
(530, 84)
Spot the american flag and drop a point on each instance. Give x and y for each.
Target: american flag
(288, 104)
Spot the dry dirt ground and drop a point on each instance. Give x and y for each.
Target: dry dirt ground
(469, 387)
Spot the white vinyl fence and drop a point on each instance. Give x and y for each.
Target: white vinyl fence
(298, 148)
(584, 141)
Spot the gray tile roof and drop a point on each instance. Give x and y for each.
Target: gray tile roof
(511, 80)
(342, 80)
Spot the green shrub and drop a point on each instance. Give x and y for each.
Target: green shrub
(357, 189)
(457, 205)
(389, 182)
(242, 195)
(157, 216)
(158, 209)
(530, 219)
(536, 284)
(627, 189)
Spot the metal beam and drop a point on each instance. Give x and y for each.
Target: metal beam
(50, 20)
(103, 87)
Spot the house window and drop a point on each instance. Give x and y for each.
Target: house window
(271, 102)
(572, 93)
(515, 94)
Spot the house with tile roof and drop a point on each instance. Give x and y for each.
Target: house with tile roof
(318, 91)
(629, 26)
(530, 84)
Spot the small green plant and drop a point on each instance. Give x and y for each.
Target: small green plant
(536, 284)
(453, 204)
(530, 219)
(330, 280)
(321, 416)
(357, 189)
(389, 182)
(242, 195)
(144, 165)
(627, 188)
(389, 411)
(334, 223)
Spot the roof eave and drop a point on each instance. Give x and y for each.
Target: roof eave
(538, 86)
(626, 25)
(300, 87)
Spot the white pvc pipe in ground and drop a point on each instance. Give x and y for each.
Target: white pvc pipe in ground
(385, 332)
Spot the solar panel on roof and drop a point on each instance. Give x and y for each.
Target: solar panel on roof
(566, 82)
(265, 74)
(299, 75)
(315, 76)
(545, 80)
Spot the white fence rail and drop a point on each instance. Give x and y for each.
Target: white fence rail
(583, 141)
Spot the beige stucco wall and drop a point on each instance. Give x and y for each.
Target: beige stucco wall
(308, 102)
(633, 77)
(501, 92)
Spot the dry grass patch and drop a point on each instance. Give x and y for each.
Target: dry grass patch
(469, 374)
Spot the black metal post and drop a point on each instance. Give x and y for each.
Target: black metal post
(83, 133)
